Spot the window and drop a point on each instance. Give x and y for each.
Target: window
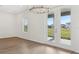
(25, 25)
(65, 27)
(50, 27)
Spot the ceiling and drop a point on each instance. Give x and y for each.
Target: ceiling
(14, 9)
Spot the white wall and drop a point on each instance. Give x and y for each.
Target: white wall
(35, 30)
(7, 25)
(19, 26)
(75, 30)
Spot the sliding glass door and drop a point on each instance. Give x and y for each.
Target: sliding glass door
(50, 27)
(65, 26)
(59, 26)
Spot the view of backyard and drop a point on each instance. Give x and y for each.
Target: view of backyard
(65, 27)
(50, 28)
(65, 34)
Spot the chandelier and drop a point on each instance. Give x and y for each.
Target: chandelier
(39, 9)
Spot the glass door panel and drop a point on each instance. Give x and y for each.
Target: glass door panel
(65, 27)
(50, 27)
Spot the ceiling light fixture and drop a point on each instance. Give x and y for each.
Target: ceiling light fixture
(39, 9)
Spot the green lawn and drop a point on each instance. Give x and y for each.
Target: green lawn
(50, 31)
(65, 33)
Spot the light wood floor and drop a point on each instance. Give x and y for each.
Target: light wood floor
(21, 46)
